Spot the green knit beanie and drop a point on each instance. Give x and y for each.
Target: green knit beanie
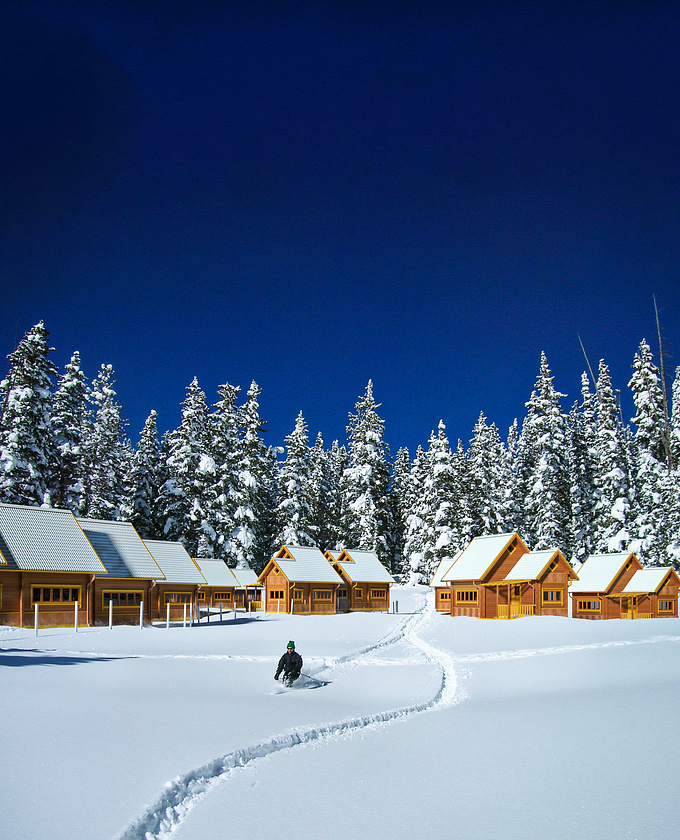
(291, 645)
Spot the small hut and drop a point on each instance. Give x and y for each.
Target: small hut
(300, 579)
(220, 588)
(442, 591)
(177, 591)
(366, 581)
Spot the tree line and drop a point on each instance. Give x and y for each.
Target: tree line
(583, 481)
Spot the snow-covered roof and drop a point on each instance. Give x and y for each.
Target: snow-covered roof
(477, 557)
(530, 565)
(646, 580)
(363, 566)
(216, 572)
(174, 562)
(598, 572)
(121, 550)
(442, 568)
(45, 540)
(308, 565)
(244, 577)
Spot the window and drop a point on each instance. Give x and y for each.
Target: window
(55, 595)
(201, 596)
(122, 599)
(463, 595)
(666, 606)
(177, 598)
(444, 596)
(588, 606)
(222, 596)
(358, 593)
(342, 593)
(322, 595)
(552, 596)
(298, 595)
(276, 594)
(379, 594)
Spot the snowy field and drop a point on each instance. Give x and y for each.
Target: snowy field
(430, 727)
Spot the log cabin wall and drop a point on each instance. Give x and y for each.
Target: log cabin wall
(126, 594)
(55, 593)
(276, 592)
(506, 562)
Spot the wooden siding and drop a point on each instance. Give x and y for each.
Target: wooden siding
(506, 562)
(17, 608)
(127, 614)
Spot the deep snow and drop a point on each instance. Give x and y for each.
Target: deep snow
(431, 726)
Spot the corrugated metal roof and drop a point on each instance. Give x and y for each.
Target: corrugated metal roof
(529, 566)
(598, 572)
(216, 572)
(245, 577)
(442, 568)
(365, 567)
(120, 548)
(174, 562)
(307, 566)
(46, 540)
(474, 560)
(647, 580)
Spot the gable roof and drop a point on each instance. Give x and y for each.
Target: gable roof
(599, 571)
(45, 540)
(216, 572)
(174, 562)
(647, 580)
(479, 556)
(531, 566)
(121, 549)
(363, 566)
(302, 564)
(442, 568)
(244, 577)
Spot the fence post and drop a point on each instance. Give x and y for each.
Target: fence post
(184, 625)
(141, 615)
(278, 606)
(220, 612)
(167, 620)
(36, 619)
(75, 617)
(111, 614)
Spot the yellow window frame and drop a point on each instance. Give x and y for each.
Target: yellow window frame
(69, 602)
(558, 600)
(118, 593)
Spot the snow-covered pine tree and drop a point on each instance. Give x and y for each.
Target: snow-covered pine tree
(488, 479)
(439, 509)
(612, 526)
(295, 509)
(104, 450)
(27, 444)
(253, 526)
(366, 481)
(187, 494)
(143, 482)
(581, 437)
(337, 462)
(675, 420)
(416, 513)
(225, 449)
(401, 477)
(71, 426)
(547, 499)
(321, 493)
(650, 457)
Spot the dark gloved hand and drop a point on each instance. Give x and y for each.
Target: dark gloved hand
(276, 676)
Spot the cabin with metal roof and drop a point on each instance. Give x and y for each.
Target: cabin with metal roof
(219, 590)
(299, 579)
(617, 586)
(125, 587)
(485, 562)
(175, 593)
(536, 585)
(45, 561)
(366, 581)
(249, 591)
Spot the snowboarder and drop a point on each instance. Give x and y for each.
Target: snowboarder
(291, 665)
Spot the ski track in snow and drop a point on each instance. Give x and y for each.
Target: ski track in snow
(184, 792)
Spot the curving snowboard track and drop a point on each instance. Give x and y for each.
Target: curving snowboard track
(184, 792)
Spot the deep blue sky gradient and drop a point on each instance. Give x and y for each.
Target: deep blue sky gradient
(313, 194)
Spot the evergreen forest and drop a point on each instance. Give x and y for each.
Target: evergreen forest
(583, 481)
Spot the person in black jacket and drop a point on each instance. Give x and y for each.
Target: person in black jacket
(290, 664)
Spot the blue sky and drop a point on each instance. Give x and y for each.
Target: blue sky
(314, 194)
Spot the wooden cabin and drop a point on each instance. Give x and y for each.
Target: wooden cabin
(45, 560)
(536, 585)
(181, 582)
(219, 592)
(300, 580)
(126, 586)
(366, 582)
(442, 591)
(617, 586)
(473, 578)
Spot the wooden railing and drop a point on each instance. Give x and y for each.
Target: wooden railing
(516, 611)
(629, 615)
